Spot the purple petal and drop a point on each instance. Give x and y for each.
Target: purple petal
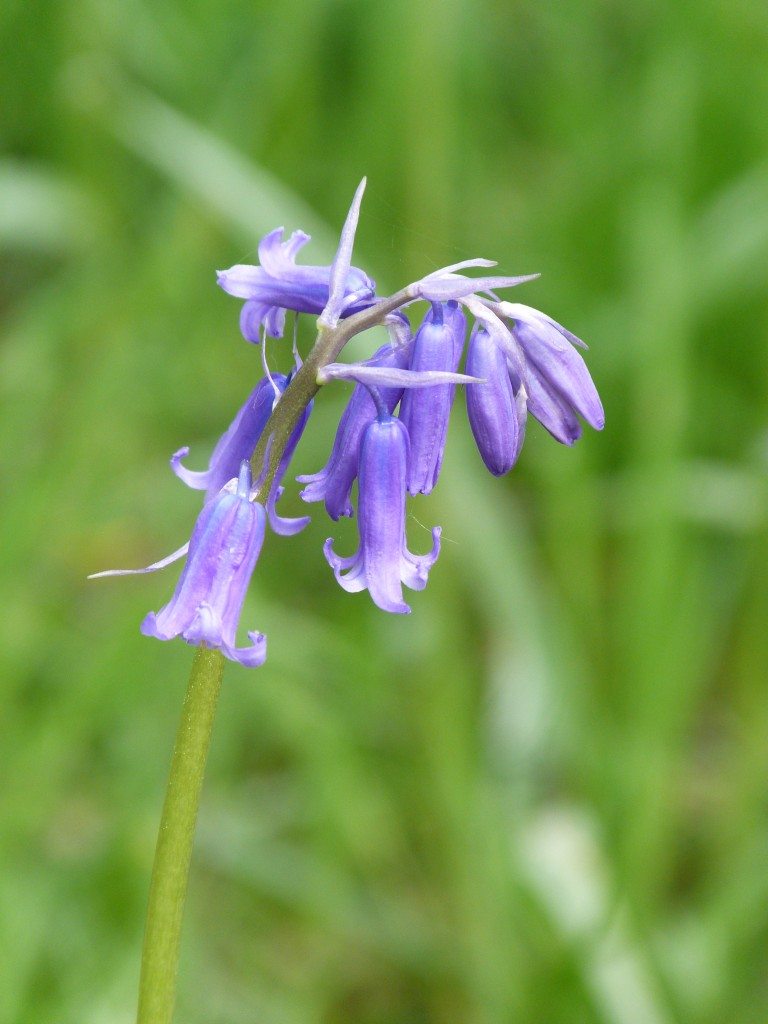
(438, 346)
(354, 581)
(558, 363)
(414, 569)
(491, 407)
(552, 411)
(252, 316)
(251, 657)
(280, 524)
(238, 442)
(275, 321)
(198, 481)
(206, 604)
(382, 562)
(333, 483)
(278, 257)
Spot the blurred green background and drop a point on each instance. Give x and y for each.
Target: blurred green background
(541, 797)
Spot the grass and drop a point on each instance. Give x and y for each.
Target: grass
(540, 797)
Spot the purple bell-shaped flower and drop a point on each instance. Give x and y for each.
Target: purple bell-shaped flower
(333, 483)
(279, 283)
(239, 442)
(221, 556)
(438, 345)
(496, 415)
(383, 562)
(558, 382)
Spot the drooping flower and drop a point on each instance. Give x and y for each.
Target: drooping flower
(383, 562)
(496, 414)
(438, 345)
(221, 555)
(558, 382)
(239, 442)
(333, 483)
(279, 283)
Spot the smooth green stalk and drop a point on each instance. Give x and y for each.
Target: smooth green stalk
(170, 872)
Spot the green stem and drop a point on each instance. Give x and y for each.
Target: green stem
(170, 872)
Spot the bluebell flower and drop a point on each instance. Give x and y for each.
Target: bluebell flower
(541, 354)
(221, 556)
(558, 382)
(438, 345)
(383, 562)
(206, 605)
(496, 414)
(279, 283)
(239, 442)
(333, 483)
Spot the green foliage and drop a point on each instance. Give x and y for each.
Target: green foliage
(541, 797)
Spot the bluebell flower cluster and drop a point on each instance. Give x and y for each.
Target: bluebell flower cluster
(392, 434)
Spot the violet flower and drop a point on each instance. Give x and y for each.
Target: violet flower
(221, 556)
(496, 416)
(438, 345)
(558, 382)
(333, 483)
(383, 562)
(239, 442)
(279, 283)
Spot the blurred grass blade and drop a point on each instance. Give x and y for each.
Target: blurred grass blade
(42, 210)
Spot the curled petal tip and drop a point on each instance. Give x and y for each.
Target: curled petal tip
(250, 657)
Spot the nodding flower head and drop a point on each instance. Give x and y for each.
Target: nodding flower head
(279, 283)
(519, 360)
(206, 605)
(383, 562)
(438, 345)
